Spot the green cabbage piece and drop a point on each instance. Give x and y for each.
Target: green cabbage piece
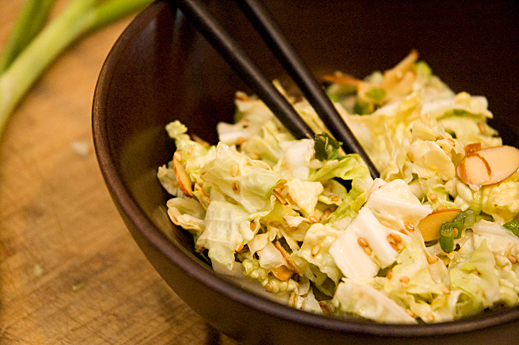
(478, 279)
(194, 154)
(222, 231)
(252, 184)
(348, 168)
(363, 300)
(501, 201)
(323, 237)
(305, 194)
(187, 213)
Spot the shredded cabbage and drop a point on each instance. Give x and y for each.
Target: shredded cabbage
(305, 223)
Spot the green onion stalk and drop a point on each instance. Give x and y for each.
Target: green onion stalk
(33, 45)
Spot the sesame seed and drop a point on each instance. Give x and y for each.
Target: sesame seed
(236, 188)
(396, 237)
(433, 196)
(253, 155)
(410, 156)
(396, 246)
(405, 279)
(455, 232)
(316, 250)
(177, 155)
(240, 140)
(410, 312)
(335, 198)
(441, 208)
(409, 227)
(452, 142)
(252, 226)
(445, 290)
(235, 168)
(430, 317)
(389, 274)
(268, 287)
(239, 247)
(512, 258)
(481, 127)
(385, 223)
(432, 259)
(362, 242)
(326, 214)
(367, 250)
(313, 219)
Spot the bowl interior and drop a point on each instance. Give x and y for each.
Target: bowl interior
(161, 70)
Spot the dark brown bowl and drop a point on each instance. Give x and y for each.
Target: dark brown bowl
(161, 69)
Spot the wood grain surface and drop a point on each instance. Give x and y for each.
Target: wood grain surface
(70, 273)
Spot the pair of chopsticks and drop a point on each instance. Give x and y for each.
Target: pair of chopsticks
(197, 13)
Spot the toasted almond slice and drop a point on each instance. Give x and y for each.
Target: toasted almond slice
(340, 78)
(282, 272)
(395, 74)
(488, 166)
(431, 224)
(288, 259)
(184, 183)
(471, 148)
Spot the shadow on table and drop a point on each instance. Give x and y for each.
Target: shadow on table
(214, 337)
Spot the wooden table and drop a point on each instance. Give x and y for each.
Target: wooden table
(70, 273)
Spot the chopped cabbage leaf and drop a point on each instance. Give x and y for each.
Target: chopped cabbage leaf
(365, 301)
(303, 222)
(248, 182)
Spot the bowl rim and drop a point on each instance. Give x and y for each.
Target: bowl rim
(187, 262)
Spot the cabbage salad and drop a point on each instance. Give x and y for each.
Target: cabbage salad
(433, 239)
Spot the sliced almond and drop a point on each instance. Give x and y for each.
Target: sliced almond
(488, 166)
(340, 78)
(471, 148)
(430, 225)
(184, 183)
(395, 74)
(288, 258)
(282, 272)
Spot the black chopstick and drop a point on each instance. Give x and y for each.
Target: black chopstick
(230, 50)
(304, 79)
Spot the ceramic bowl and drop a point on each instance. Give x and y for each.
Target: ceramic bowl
(161, 69)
